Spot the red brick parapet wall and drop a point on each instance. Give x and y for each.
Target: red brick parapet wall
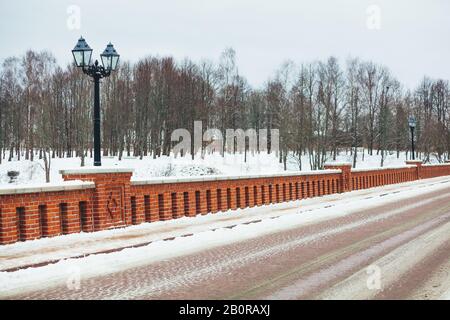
(93, 199)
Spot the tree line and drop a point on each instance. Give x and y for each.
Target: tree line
(320, 108)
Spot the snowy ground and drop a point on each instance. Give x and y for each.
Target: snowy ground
(33, 172)
(207, 232)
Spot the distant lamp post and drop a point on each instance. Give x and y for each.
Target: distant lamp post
(412, 125)
(82, 54)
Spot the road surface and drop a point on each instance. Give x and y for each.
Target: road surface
(395, 250)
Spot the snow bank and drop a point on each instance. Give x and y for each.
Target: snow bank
(180, 167)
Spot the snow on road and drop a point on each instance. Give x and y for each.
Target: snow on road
(208, 232)
(416, 252)
(395, 264)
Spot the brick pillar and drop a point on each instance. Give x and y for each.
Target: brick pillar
(70, 219)
(242, 194)
(32, 222)
(203, 206)
(251, 196)
(418, 164)
(326, 183)
(166, 211)
(308, 188)
(233, 199)
(112, 195)
(152, 208)
(192, 212)
(346, 174)
(320, 187)
(51, 221)
(180, 203)
(8, 223)
(258, 199)
(315, 184)
(265, 199)
(223, 199)
(86, 218)
(140, 209)
(302, 185)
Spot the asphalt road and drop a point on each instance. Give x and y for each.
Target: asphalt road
(398, 250)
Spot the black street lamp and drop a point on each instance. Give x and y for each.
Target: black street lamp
(82, 54)
(412, 125)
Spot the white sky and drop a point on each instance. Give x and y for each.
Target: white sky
(414, 38)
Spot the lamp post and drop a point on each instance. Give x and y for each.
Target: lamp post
(412, 125)
(82, 54)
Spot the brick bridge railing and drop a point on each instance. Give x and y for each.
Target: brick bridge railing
(93, 199)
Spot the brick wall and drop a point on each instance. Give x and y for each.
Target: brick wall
(95, 199)
(375, 178)
(34, 215)
(431, 171)
(162, 200)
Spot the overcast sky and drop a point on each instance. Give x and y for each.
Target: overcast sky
(413, 38)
